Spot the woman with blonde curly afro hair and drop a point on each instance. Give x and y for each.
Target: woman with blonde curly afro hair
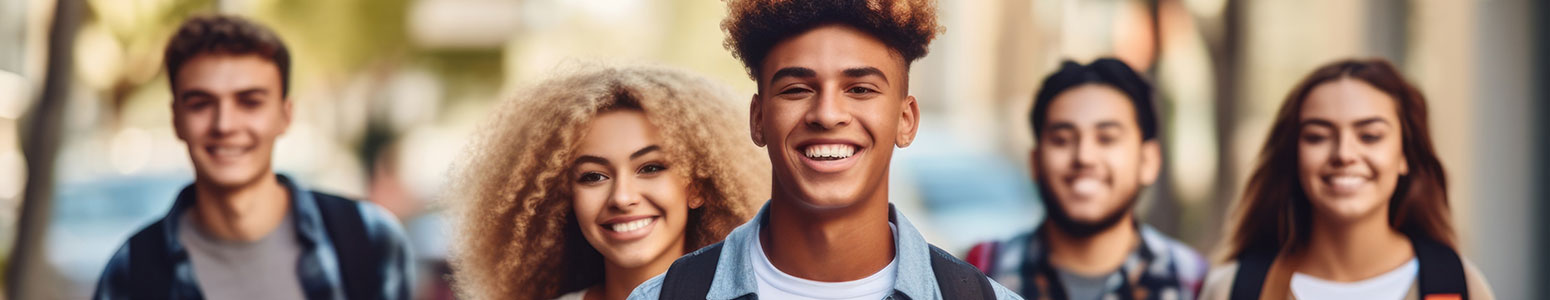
(596, 180)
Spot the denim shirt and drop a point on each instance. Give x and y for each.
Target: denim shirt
(318, 268)
(734, 276)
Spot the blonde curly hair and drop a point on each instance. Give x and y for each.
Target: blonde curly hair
(518, 233)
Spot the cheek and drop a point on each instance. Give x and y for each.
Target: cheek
(587, 202)
(1310, 158)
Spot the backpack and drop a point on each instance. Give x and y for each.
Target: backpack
(1441, 272)
(691, 276)
(154, 274)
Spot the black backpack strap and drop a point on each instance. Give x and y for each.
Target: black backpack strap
(958, 279)
(1441, 270)
(1253, 266)
(690, 276)
(358, 258)
(150, 269)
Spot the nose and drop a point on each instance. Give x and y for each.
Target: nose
(828, 111)
(1086, 152)
(624, 194)
(225, 118)
(1345, 150)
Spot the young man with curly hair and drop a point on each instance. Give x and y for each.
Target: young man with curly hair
(240, 231)
(832, 103)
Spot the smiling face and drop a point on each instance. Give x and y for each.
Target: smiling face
(832, 104)
(1091, 159)
(229, 110)
(630, 202)
(1350, 153)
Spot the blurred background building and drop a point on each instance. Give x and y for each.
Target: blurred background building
(388, 91)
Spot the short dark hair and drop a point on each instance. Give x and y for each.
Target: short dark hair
(1105, 71)
(755, 26)
(230, 35)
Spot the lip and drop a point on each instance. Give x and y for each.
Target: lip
(215, 152)
(828, 166)
(607, 228)
(1344, 188)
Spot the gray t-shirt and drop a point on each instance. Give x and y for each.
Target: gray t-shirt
(262, 269)
(1079, 287)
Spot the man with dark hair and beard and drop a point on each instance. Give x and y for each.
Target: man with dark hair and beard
(1095, 148)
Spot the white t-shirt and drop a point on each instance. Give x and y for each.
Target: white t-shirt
(576, 295)
(1391, 285)
(774, 284)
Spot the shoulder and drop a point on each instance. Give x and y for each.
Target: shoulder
(1001, 256)
(115, 278)
(1219, 281)
(651, 289)
(382, 228)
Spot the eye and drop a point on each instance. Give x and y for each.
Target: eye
(795, 92)
(250, 102)
(1371, 138)
(651, 169)
(860, 90)
(591, 177)
(1313, 138)
(197, 103)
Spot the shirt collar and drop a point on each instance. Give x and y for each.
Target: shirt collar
(735, 275)
(304, 211)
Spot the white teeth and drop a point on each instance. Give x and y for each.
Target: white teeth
(1086, 186)
(631, 225)
(832, 151)
(1346, 182)
(227, 151)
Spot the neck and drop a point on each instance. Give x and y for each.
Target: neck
(1353, 251)
(619, 281)
(242, 213)
(832, 245)
(1093, 255)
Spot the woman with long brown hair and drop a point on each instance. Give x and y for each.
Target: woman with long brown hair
(1348, 199)
(595, 181)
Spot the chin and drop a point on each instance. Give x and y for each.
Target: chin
(234, 178)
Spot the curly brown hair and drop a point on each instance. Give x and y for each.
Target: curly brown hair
(755, 26)
(518, 233)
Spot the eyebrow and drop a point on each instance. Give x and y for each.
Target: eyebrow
(1358, 123)
(604, 161)
(253, 92)
(644, 151)
(864, 72)
(1062, 125)
(798, 72)
(1370, 121)
(195, 93)
(1110, 124)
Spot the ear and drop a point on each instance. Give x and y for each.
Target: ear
(909, 122)
(177, 121)
(1151, 161)
(696, 197)
(756, 120)
(1033, 164)
(285, 113)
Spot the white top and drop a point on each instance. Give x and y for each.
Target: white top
(576, 295)
(774, 284)
(1391, 285)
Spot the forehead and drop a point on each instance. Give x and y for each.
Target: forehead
(1347, 99)
(829, 49)
(1090, 104)
(618, 132)
(220, 72)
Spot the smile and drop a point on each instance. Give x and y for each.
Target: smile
(829, 157)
